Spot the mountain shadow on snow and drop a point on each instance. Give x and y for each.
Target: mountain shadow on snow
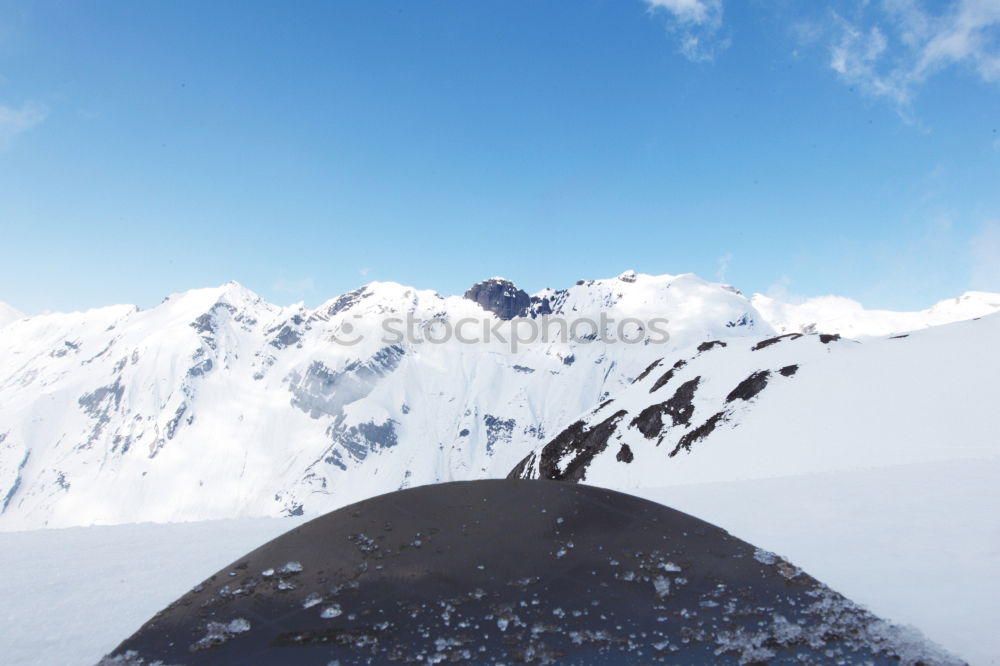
(502, 571)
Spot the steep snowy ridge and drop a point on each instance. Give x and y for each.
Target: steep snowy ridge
(8, 314)
(217, 404)
(793, 404)
(835, 314)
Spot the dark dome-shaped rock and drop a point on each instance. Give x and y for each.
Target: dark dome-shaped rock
(501, 297)
(489, 572)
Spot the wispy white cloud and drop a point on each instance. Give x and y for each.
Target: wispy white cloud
(856, 57)
(723, 266)
(780, 291)
(697, 24)
(690, 11)
(15, 121)
(967, 35)
(890, 48)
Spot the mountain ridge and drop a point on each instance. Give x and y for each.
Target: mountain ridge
(216, 403)
(847, 317)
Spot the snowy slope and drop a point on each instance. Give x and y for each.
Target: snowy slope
(914, 543)
(836, 314)
(71, 595)
(8, 314)
(796, 404)
(217, 404)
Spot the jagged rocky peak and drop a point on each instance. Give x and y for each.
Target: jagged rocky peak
(501, 297)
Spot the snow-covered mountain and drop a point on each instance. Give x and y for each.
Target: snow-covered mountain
(218, 404)
(847, 317)
(789, 405)
(8, 314)
(873, 462)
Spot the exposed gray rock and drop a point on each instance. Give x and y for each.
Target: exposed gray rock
(699, 433)
(625, 454)
(321, 391)
(750, 387)
(363, 438)
(286, 337)
(9, 495)
(679, 407)
(497, 430)
(778, 338)
(99, 404)
(501, 297)
(581, 441)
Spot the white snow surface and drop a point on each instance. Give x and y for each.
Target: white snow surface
(71, 595)
(917, 544)
(836, 314)
(216, 404)
(8, 314)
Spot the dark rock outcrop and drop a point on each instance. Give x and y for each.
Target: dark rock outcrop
(625, 454)
(667, 376)
(771, 341)
(699, 433)
(679, 407)
(581, 441)
(750, 387)
(501, 297)
(645, 373)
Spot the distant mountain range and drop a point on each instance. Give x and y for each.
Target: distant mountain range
(218, 404)
(835, 314)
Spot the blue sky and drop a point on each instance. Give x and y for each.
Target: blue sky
(306, 148)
